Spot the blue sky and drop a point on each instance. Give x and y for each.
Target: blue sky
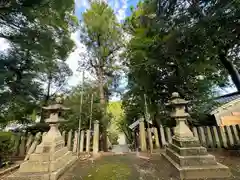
(120, 7)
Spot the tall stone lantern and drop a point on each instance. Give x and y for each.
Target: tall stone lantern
(51, 158)
(54, 135)
(178, 105)
(185, 153)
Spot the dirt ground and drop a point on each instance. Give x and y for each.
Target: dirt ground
(130, 167)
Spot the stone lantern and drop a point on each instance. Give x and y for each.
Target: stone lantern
(185, 153)
(178, 105)
(51, 158)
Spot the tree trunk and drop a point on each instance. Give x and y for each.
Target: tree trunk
(103, 107)
(46, 98)
(233, 72)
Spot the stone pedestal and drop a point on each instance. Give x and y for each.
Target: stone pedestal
(192, 161)
(189, 158)
(50, 158)
(48, 162)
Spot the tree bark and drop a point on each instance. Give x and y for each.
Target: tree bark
(103, 107)
(46, 98)
(229, 66)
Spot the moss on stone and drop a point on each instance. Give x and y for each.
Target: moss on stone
(110, 171)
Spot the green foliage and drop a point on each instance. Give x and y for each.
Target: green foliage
(38, 127)
(73, 101)
(6, 146)
(117, 114)
(171, 51)
(38, 33)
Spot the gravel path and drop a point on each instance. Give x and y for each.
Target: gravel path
(130, 167)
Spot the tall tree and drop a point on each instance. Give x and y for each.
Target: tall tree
(102, 36)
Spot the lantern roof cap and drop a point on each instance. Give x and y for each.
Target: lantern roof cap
(57, 107)
(176, 100)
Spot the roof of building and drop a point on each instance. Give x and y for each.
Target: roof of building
(225, 100)
(228, 97)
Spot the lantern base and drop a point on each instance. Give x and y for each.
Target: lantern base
(191, 160)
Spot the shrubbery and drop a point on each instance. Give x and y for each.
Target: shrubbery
(6, 147)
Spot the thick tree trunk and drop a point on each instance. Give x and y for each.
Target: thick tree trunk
(233, 72)
(103, 106)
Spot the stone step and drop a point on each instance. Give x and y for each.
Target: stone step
(120, 148)
(209, 172)
(189, 151)
(41, 166)
(43, 175)
(196, 160)
(218, 171)
(188, 143)
(48, 156)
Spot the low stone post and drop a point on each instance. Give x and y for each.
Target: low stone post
(33, 145)
(223, 136)
(81, 141)
(195, 133)
(96, 137)
(88, 140)
(209, 135)
(75, 141)
(231, 142)
(150, 139)
(64, 137)
(202, 136)
(69, 142)
(17, 139)
(169, 135)
(163, 139)
(22, 149)
(29, 141)
(216, 137)
(155, 131)
(142, 135)
(235, 132)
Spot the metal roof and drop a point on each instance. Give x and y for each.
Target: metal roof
(223, 100)
(228, 98)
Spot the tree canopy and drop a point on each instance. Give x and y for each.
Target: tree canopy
(37, 34)
(183, 46)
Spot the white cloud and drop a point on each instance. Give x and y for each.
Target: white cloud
(121, 11)
(81, 3)
(4, 45)
(73, 60)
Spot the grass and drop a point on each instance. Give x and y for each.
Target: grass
(110, 171)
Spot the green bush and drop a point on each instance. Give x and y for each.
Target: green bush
(38, 127)
(6, 146)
